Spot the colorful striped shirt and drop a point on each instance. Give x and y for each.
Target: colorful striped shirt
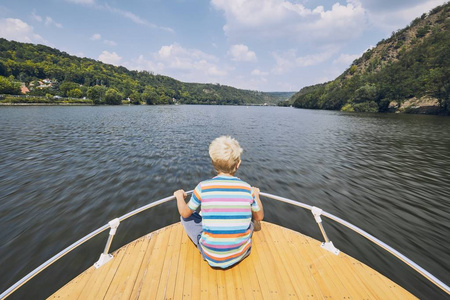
(226, 204)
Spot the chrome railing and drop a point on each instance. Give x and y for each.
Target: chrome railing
(317, 213)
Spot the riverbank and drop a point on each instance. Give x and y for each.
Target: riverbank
(46, 104)
(423, 105)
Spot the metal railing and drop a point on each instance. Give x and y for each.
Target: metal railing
(317, 213)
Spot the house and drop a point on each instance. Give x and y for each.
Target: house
(24, 89)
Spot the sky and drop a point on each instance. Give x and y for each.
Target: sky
(264, 45)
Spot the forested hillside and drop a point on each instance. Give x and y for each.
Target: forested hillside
(409, 70)
(65, 75)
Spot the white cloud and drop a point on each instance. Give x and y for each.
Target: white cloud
(36, 17)
(16, 29)
(49, 21)
(143, 64)
(110, 58)
(241, 53)
(346, 59)
(124, 13)
(288, 60)
(110, 43)
(82, 1)
(133, 17)
(185, 64)
(257, 72)
(176, 57)
(393, 19)
(284, 19)
(96, 36)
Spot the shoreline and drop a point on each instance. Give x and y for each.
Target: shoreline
(46, 104)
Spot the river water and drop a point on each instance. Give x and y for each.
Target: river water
(66, 171)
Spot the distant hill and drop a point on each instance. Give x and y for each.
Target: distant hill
(281, 96)
(71, 76)
(408, 72)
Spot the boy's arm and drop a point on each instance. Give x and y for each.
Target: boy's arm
(183, 208)
(258, 215)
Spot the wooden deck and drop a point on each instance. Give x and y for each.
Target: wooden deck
(283, 264)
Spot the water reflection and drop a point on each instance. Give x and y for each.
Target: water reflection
(65, 171)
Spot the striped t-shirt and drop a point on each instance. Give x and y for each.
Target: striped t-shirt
(226, 204)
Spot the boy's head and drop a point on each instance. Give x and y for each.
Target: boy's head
(225, 154)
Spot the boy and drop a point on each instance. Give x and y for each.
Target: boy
(223, 232)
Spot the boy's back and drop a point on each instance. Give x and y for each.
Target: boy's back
(226, 204)
(223, 233)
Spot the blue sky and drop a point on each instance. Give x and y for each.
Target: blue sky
(265, 45)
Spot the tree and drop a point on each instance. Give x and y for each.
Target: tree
(75, 93)
(150, 96)
(7, 86)
(135, 98)
(97, 94)
(113, 97)
(67, 86)
(365, 93)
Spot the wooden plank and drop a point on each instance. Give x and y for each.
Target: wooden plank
(151, 282)
(305, 280)
(270, 267)
(196, 274)
(104, 282)
(249, 278)
(209, 282)
(333, 276)
(349, 278)
(243, 289)
(187, 285)
(178, 294)
(171, 281)
(344, 278)
(74, 288)
(266, 290)
(143, 271)
(283, 264)
(126, 288)
(230, 287)
(369, 278)
(168, 261)
(394, 288)
(299, 247)
(289, 275)
(122, 271)
(221, 285)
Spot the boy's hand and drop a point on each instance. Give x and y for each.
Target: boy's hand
(180, 194)
(258, 215)
(183, 208)
(255, 191)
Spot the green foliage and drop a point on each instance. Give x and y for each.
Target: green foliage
(74, 93)
(422, 31)
(66, 86)
(9, 86)
(365, 93)
(28, 62)
(370, 106)
(150, 96)
(113, 97)
(43, 100)
(421, 68)
(97, 94)
(135, 98)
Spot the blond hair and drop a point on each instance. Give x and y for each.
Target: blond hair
(225, 154)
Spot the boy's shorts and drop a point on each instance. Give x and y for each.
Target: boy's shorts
(193, 227)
